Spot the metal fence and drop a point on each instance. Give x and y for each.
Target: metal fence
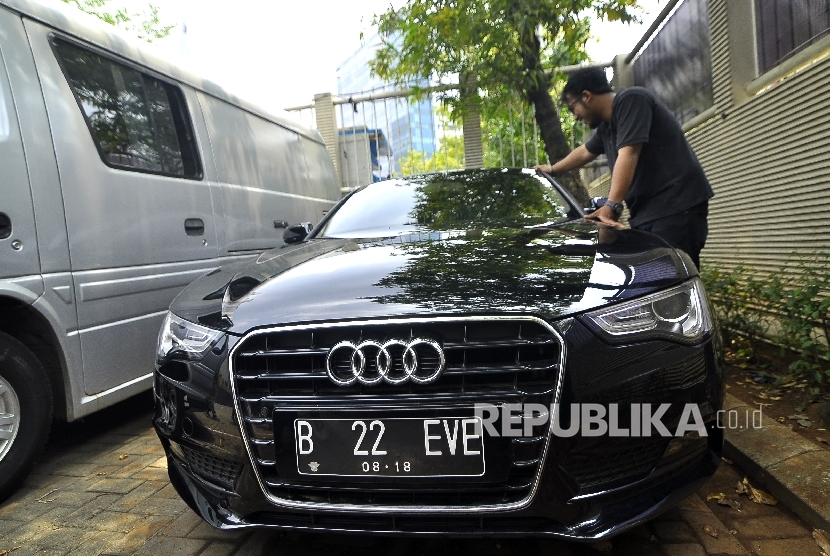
(786, 27)
(394, 133)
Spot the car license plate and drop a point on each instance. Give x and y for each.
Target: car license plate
(396, 447)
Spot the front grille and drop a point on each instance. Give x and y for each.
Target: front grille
(281, 373)
(210, 467)
(482, 357)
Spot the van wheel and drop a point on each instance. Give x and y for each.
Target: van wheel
(25, 412)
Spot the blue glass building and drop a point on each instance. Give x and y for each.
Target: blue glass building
(406, 125)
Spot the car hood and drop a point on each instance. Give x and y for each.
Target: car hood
(550, 271)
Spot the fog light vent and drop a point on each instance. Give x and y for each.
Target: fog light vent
(211, 467)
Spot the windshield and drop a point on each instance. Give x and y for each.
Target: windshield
(479, 199)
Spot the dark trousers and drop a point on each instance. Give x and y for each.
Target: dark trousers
(686, 230)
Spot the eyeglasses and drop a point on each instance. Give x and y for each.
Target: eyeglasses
(572, 104)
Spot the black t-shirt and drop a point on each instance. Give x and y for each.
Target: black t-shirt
(669, 178)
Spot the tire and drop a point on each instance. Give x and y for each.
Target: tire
(25, 412)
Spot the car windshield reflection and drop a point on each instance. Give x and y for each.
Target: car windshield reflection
(448, 201)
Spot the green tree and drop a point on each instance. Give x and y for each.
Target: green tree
(508, 138)
(144, 25)
(510, 46)
(449, 156)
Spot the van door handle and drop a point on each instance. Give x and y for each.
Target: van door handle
(5, 225)
(194, 227)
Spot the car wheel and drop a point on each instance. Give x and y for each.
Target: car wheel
(25, 412)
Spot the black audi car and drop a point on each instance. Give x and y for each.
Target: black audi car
(450, 353)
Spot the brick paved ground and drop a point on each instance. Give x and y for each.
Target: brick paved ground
(101, 487)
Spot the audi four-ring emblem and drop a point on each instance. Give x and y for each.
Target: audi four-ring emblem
(420, 360)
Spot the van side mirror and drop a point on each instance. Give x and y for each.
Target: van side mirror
(297, 233)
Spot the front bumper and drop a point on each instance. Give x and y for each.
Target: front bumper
(602, 517)
(586, 487)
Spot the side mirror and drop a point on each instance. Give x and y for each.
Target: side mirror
(295, 234)
(596, 203)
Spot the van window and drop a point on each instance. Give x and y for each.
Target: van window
(137, 121)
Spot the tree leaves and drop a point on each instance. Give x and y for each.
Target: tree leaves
(512, 47)
(146, 26)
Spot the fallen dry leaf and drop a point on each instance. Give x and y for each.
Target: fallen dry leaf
(734, 504)
(762, 497)
(124, 456)
(709, 530)
(755, 494)
(806, 423)
(822, 539)
(740, 488)
(717, 496)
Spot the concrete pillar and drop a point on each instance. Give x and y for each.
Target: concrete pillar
(623, 73)
(742, 54)
(326, 118)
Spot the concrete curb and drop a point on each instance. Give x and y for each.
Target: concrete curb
(781, 462)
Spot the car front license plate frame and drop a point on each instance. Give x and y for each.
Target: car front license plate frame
(405, 447)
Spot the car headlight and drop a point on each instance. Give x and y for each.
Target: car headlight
(680, 313)
(184, 338)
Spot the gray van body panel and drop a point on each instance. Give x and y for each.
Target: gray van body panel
(122, 225)
(15, 195)
(113, 247)
(53, 246)
(267, 170)
(115, 217)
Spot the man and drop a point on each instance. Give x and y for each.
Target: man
(653, 167)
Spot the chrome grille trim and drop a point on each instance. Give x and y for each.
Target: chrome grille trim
(381, 508)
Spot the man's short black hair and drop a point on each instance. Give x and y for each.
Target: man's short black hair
(586, 79)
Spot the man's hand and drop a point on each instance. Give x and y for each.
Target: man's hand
(577, 158)
(605, 215)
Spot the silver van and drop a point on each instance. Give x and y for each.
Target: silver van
(122, 179)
